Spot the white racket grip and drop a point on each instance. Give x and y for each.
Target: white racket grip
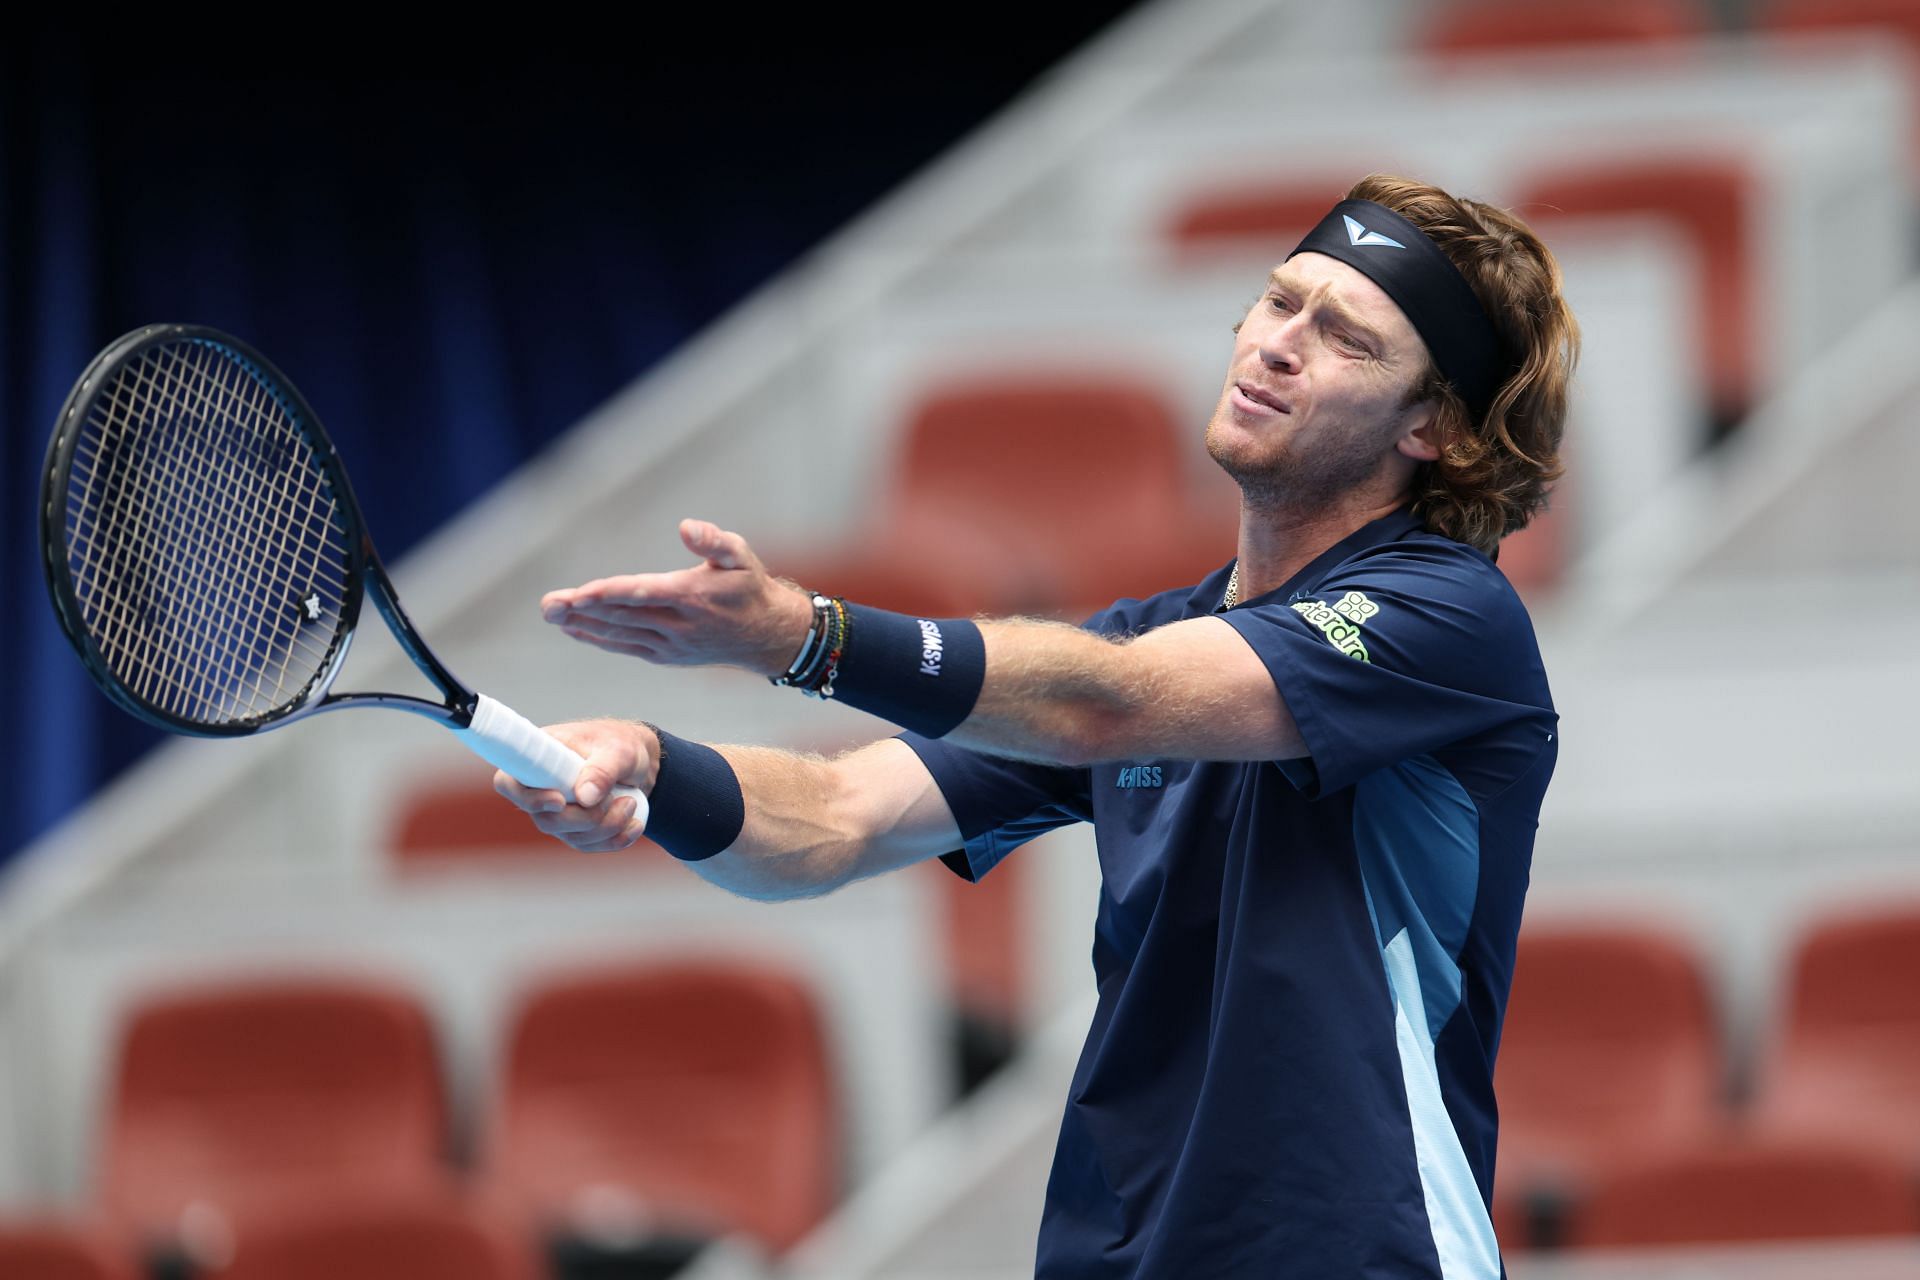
(535, 758)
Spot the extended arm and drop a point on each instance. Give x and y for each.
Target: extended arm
(1051, 693)
(811, 824)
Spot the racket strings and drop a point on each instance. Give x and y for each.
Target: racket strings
(143, 633)
(206, 548)
(259, 568)
(216, 515)
(210, 525)
(133, 627)
(129, 630)
(263, 565)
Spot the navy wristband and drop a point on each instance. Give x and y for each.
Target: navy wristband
(922, 674)
(698, 809)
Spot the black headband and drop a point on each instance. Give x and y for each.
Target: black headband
(1397, 256)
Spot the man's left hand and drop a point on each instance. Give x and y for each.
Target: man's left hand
(725, 611)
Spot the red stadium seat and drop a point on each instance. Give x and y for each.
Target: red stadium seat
(1609, 1049)
(1846, 1061)
(1499, 26)
(986, 964)
(1898, 19)
(1511, 1228)
(46, 1250)
(1535, 558)
(239, 1095)
(1711, 201)
(366, 1239)
(984, 952)
(1276, 213)
(460, 822)
(1726, 1192)
(699, 1093)
(1043, 494)
(1081, 482)
(952, 578)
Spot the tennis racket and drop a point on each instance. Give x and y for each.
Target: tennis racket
(207, 559)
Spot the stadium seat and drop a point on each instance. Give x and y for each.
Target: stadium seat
(1499, 26)
(986, 961)
(1043, 494)
(1609, 1049)
(1710, 200)
(47, 1250)
(1898, 19)
(699, 1094)
(951, 577)
(367, 1239)
(1277, 213)
(459, 821)
(1511, 1229)
(237, 1095)
(1535, 558)
(1846, 1057)
(1731, 1191)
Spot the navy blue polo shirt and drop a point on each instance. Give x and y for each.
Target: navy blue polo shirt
(1302, 964)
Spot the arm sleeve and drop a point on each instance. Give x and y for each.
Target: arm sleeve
(1000, 804)
(1399, 655)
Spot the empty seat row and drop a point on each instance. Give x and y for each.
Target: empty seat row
(334, 1235)
(1493, 26)
(1611, 1057)
(688, 1097)
(1735, 1189)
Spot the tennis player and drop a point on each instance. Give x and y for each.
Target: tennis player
(1314, 776)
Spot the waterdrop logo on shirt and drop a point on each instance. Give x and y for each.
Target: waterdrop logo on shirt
(1340, 622)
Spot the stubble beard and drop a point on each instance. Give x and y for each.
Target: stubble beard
(1293, 481)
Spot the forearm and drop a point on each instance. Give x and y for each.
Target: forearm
(814, 824)
(1056, 694)
(798, 839)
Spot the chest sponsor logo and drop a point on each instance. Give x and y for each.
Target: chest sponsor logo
(1139, 775)
(1341, 621)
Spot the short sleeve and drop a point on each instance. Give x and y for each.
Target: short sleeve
(1400, 654)
(1000, 804)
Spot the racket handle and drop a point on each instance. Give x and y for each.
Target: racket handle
(535, 758)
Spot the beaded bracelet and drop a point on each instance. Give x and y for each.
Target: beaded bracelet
(842, 630)
(805, 667)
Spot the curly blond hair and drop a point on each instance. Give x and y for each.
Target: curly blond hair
(1493, 474)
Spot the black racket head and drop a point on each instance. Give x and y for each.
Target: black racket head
(203, 550)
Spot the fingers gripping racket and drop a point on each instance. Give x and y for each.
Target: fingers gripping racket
(207, 559)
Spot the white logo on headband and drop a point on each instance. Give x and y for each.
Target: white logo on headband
(1360, 235)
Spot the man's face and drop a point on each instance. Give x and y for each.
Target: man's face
(1315, 398)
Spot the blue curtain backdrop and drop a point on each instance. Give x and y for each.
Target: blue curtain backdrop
(455, 266)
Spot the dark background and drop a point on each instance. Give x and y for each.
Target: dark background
(457, 250)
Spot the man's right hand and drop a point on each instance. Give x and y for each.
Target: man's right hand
(617, 752)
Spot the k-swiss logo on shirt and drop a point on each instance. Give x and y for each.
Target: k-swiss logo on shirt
(1341, 621)
(1139, 775)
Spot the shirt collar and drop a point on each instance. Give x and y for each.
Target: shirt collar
(1391, 527)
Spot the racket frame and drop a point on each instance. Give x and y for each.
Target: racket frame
(363, 570)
